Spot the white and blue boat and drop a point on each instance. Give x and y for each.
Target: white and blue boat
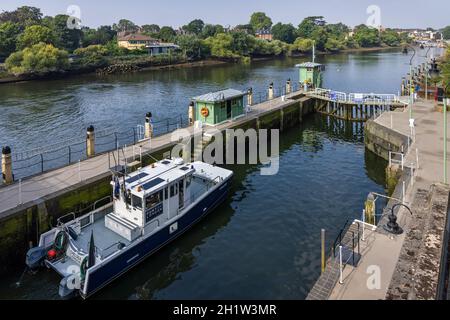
(150, 208)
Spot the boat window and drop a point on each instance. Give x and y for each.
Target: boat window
(136, 201)
(188, 181)
(166, 193)
(153, 199)
(172, 191)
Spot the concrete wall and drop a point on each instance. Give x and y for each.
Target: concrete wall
(381, 140)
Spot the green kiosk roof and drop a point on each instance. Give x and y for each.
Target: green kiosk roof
(219, 95)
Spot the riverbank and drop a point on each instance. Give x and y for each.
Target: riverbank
(129, 67)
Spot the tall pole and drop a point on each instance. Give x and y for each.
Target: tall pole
(410, 91)
(426, 73)
(322, 236)
(411, 84)
(445, 137)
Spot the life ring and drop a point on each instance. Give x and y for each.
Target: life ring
(61, 241)
(83, 267)
(204, 111)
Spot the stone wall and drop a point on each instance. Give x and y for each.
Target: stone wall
(381, 140)
(421, 271)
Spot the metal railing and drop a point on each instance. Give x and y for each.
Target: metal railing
(397, 158)
(356, 98)
(42, 159)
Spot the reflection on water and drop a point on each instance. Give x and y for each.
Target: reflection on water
(263, 242)
(44, 112)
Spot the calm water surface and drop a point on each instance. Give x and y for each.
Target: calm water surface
(263, 242)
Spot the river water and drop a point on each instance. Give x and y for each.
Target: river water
(264, 241)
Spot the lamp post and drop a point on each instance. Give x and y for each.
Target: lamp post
(426, 73)
(411, 83)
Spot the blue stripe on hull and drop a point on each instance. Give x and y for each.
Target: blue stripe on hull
(131, 257)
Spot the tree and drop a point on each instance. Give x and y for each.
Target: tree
(308, 26)
(320, 37)
(445, 70)
(446, 33)
(303, 45)
(125, 25)
(34, 35)
(167, 34)
(247, 28)
(260, 21)
(366, 36)
(24, 16)
(210, 30)
(221, 46)
(102, 35)
(191, 46)
(284, 32)
(68, 39)
(390, 38)
(194, 27)
(150, 29)
(338, 30)
(39, 59)
(334, 45)
(242, 43)
(8, 38)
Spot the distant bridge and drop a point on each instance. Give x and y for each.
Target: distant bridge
(354, 106)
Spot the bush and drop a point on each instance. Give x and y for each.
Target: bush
(92, 56)
(39, 59)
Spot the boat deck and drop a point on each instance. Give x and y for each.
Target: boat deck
(104, 238)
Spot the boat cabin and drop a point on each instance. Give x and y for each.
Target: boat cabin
(216, 107)
(144, 200)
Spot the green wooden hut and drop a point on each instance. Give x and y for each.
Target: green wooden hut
(311, 73)
(216, 107)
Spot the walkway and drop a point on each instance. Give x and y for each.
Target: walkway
(383, 250)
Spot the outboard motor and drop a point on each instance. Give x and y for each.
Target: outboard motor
(35, 257)
(66, 288)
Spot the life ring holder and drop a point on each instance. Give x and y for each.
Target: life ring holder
(61, 241)
(83, 267)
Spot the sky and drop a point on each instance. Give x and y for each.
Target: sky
(393, 13)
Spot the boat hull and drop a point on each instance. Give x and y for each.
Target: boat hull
(136, 253)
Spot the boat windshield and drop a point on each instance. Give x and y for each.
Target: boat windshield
(136, 202)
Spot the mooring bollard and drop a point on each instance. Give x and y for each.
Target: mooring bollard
(191, 113)
(148, 125)
(341, 278)
(7, 165)
(288, 86)
(90, 141)
(322, 236)
(250, 96)
(271, 91)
